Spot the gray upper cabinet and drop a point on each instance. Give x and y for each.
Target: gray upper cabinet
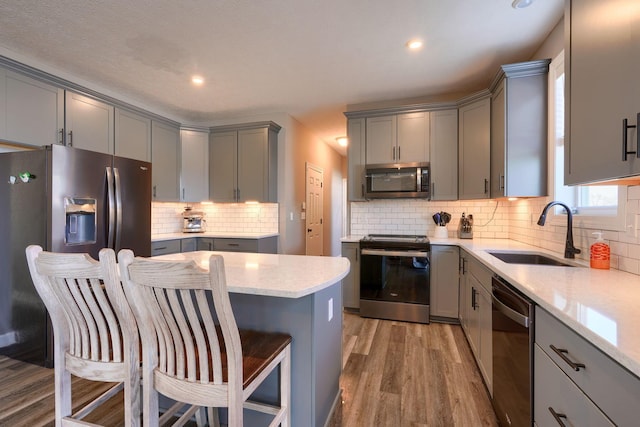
(133, 135)
(604, 64)
(519, 130)
(194, 173)
(474, 141)
(243, 162)
(444, 154)
(165, 159)
(399, 138)
(31, 111)
(89, 123)
(356, 153)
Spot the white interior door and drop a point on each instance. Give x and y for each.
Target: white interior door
(314, 203)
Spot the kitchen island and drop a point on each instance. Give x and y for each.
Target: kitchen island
(299, 295)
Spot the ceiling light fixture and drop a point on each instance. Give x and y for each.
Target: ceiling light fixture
(414, 44)
(521, 4)
(342, 141)
(197, 80)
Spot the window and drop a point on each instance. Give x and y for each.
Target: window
(593, 206)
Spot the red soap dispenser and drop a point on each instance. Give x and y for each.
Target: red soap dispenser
(600, 253)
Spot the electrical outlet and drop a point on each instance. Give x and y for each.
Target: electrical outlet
(330, 309)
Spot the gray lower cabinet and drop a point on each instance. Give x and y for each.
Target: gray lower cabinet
(475, 313)
(577, 380)
(267, 245)
(165, 159)
(444, 291)
(474, 145)
(351, 283)
(165, 247)
(189, 245)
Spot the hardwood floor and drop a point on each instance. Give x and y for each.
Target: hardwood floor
(407, 374)
(394, 374)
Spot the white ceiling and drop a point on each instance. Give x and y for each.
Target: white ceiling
(307, 58)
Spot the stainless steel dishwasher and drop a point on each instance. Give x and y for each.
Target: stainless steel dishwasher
(512, 336)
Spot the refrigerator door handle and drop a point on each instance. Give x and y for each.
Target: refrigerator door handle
(111, 208)
(116, 176)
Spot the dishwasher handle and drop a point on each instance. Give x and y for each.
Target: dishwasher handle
(520, 319)
(501, 294)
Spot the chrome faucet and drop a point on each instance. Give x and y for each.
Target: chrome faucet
(569, 249)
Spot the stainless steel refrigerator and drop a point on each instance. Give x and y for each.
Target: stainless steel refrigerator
(65, 200)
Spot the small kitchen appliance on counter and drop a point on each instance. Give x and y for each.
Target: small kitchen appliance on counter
(193, 221)
(465, 227)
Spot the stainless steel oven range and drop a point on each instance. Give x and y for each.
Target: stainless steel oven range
(394, 277)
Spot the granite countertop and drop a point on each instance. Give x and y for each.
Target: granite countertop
(603, 306)
(218, 234)
(287, 276)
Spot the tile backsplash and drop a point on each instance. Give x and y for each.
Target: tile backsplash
(502, 219)
(220, 217)
(408, 216)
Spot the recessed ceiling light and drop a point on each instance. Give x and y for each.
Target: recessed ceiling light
(414, 44)
(521, 4)
(342, 141)
(197, 80)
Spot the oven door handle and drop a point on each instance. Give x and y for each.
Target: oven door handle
(407, 254)
(510, 313)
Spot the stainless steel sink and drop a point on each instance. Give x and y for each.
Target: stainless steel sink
(531, 258)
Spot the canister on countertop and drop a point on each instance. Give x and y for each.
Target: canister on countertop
(600, 253)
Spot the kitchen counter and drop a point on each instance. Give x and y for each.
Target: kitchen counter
(218, 234)
(302, 296)
(287, 276)
(603, 306)
(600, 305)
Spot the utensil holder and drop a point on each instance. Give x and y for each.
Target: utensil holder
(441, 232)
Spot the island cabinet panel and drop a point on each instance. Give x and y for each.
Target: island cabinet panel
(398, 138)
(356, 154)
(194, 171)
(89, 123)
(443, 144)
(474, 144)
(444, 283)
(165, 159)
(31, 111)
(133, 135)
(597, 378)
(603, 63)
(243, 162)
(351, 283)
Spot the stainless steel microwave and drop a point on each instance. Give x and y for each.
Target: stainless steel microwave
(395, 181)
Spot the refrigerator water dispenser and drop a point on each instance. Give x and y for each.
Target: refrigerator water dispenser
(81, 221)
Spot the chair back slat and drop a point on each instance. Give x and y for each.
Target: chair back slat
(182, 315)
